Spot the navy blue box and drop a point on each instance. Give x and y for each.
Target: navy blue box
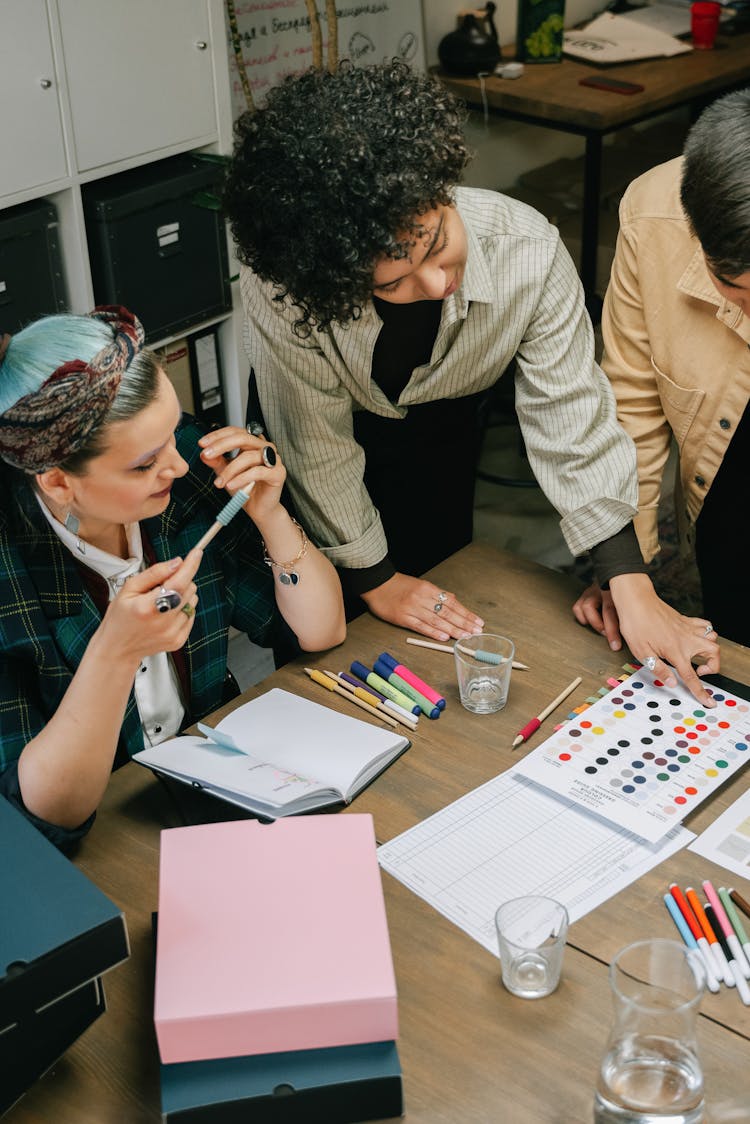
(337, 1085)
(58, 933)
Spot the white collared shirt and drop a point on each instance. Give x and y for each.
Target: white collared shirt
(158, 694)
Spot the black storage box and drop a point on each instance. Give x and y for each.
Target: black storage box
(30, 1047)
(335, 1085)
(58, 933)
(31, 276)
(157, 246)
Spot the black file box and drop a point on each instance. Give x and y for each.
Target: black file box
(58, 934)
(31, 272)
(31, 1046)
(336, 1085)
(157, 246)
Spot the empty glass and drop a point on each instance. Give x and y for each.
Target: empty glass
(531, 934)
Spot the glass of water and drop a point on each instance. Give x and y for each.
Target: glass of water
(483, 667)
(531, 933)
(651, 1070)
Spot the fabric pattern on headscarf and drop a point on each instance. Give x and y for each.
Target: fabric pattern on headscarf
(44, 428)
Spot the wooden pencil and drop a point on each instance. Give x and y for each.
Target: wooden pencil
(332, 685)
(360, 693)
(449, 648)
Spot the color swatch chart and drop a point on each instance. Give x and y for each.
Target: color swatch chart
(644, 755)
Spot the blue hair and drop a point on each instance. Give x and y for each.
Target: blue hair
(43, 346)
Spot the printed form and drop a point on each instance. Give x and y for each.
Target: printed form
(509, 838)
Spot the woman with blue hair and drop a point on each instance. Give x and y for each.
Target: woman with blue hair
(113, 626)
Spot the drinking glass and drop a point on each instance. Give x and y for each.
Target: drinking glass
(483, 667)
(651, 1070)
(531, 934)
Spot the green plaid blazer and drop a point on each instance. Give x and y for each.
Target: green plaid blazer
(47, 617)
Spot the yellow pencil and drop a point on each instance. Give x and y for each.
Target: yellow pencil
(332, 685)
(373, 700)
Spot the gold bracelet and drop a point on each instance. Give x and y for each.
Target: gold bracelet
(288, 575)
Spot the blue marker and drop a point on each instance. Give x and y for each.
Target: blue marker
(395, 680)
(694, 952)
(381, 684)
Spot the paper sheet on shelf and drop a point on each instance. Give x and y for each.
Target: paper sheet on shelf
(727, 840)
(508, 838)
(610, 39)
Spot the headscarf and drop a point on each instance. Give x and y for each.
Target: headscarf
(44, 428)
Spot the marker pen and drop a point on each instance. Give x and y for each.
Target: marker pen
(717, 951)
(739, 980)
(400, 710)
(385, 688)
(395, 680)
(414, 680)
(708, 961)
(736, 920)
(726, 928)
(694, 953)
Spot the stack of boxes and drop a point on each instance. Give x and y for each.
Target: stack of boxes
(58, 935)
(275, 993)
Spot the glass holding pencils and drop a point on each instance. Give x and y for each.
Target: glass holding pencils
(651, 1071)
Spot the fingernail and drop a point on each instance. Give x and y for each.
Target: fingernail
(219, 481)
(208, 452)
(615, 645)
(477, 631)
(174, 563)
(479, 621)
(443, 636)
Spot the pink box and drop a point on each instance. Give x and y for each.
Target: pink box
(271, 937)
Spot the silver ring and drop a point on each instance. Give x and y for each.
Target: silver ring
(437, 607)
(442, 596)
(167, 599)
(187, 609)
(708, 629)
(268, 456)
(650, 662)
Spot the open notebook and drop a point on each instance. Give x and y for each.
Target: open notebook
(279, 755)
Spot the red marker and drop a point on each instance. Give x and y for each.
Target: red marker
(708, 961)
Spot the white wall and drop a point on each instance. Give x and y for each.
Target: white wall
(504, 149)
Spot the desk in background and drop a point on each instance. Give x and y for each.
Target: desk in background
(471, 1053)
(550, 96)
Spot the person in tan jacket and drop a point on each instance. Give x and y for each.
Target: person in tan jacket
(676, 328)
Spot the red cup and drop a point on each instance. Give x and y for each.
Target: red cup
(704, 23)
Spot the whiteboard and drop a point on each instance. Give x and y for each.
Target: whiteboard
(276, 39)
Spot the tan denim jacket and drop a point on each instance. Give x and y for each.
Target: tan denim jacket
(676, 352)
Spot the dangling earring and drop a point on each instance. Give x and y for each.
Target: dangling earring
(72, 524)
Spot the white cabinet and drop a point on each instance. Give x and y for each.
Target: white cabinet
(92, 88)
(30, 120)
(140, 77)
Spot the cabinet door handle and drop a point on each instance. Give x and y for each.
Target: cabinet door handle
(201, 45)
(45, 83)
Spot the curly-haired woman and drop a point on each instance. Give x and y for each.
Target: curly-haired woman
(382, 303)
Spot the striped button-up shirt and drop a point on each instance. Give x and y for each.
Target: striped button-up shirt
(520, 298)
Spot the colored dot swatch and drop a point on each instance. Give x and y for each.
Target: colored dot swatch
(645, 755)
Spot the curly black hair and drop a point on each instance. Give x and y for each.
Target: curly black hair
(333, 173)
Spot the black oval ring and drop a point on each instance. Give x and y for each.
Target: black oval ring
(268, 456)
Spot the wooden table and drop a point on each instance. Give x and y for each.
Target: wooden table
(551, 96)
(471, 1053)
